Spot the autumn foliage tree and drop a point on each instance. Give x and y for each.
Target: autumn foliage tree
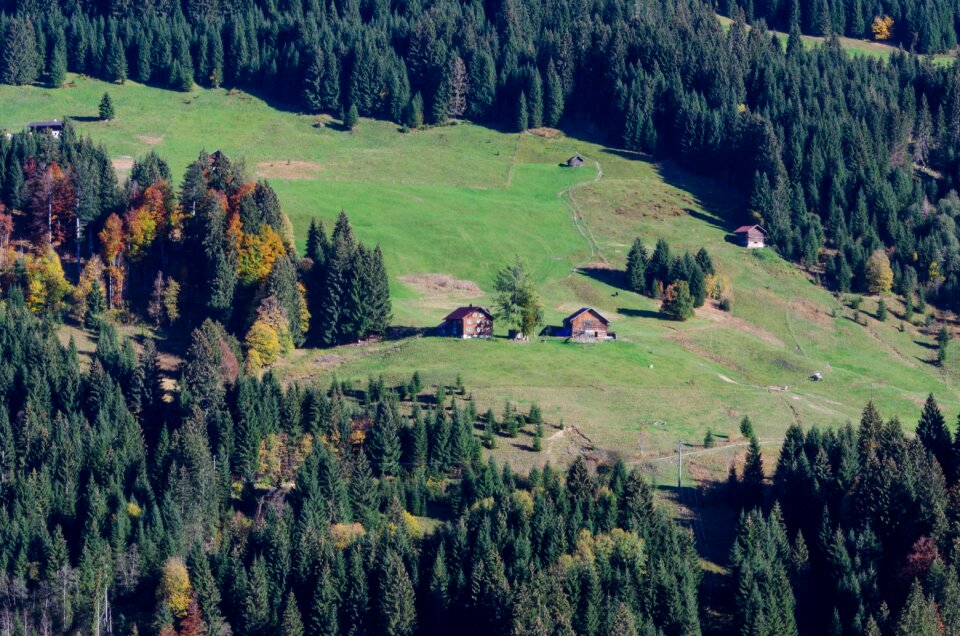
(51, 203)
(879, 273)
(112, 243)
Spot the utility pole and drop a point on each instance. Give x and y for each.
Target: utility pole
(679, 466)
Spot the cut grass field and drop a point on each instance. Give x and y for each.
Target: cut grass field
(462, 200)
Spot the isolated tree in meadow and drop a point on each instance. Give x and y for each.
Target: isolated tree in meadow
(637, 267)
(518, 302)
(21, 62)
(879, 273)
(106, 109)
(943, 340)
(677, 301)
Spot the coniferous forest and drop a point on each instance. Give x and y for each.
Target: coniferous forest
(221, 501)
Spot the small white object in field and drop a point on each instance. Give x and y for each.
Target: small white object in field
(651, 366)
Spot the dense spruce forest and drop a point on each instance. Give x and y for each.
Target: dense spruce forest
(924, 27)
(239, 506)
(841, 157)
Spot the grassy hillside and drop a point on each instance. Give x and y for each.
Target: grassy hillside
(451, 205)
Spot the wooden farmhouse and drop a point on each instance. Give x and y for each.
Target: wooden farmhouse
(576, 161)
(468, 322)
(50, 127)
(751, 236)
(586, 324)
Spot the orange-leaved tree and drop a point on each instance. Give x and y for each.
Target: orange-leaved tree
(112, 243)
(51, 202)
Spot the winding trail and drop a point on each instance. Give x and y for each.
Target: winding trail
(576, 215)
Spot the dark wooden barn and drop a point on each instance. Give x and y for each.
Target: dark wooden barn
(468, 322)
(576, 161)
(53, 127)
(751, 236)
(586, 324)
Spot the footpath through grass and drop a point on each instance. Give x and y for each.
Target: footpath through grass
(453, 204)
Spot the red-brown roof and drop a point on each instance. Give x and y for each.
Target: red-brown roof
(747, 228)
(584, 309)
(462, 312)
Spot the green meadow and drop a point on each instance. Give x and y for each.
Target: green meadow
(451, 205)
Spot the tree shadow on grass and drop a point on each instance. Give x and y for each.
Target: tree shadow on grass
(613, 277)
(926, 345)
(83, 119)
(639, 313)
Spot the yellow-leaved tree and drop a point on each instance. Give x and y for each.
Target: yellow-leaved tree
(46, 284)
(257, 253)
(263, 346)
(882, 27)
(175, 588)
(879, 273)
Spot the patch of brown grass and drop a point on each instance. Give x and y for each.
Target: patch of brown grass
(290, 169)
(150, 140)
(442, 286)
(711, 312)
(122, 164)
(546, 133)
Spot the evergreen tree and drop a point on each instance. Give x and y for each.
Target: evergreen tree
(352, 118)
(637, 267)
(414, 112)
(753, 475)
(933, 434)
(397, 605)
(385, 450)
(553, 98)
(324, 610)
(678, 302)
(57, 70)
(95, 307)
(522, 114)
(919, 615)
(106, 109)
(21, 62)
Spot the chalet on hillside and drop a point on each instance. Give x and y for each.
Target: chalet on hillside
(52, 127)
(468, 322)
(586, 324)
(751, 236)
(576, 161)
